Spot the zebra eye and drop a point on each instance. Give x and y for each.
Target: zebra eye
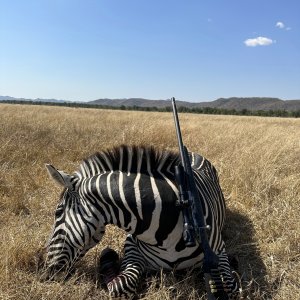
(59, 211)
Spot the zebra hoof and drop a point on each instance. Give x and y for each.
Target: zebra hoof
(109, 265)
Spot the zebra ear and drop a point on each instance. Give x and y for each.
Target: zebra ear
(60, 177)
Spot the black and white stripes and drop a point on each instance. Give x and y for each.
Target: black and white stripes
(134, 188)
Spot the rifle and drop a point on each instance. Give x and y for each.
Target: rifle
(195, 228)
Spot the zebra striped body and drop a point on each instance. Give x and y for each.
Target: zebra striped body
(134, 188)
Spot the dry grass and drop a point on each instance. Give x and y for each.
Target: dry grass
(258, 160)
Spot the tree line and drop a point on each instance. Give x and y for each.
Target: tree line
(195, 110)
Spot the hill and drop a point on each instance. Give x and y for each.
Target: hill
(140, 102)
(253, 104)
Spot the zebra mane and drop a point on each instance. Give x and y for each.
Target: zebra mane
(129, 159)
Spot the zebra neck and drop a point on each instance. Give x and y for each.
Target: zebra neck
(115, 196)
(132, 202)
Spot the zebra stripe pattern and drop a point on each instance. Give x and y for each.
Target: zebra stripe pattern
(134, 188)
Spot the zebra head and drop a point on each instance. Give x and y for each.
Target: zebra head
(76, 228)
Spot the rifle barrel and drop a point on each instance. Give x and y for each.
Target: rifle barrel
(178, 131)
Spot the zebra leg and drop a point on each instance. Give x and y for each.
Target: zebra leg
(124, 285)
(230, 284)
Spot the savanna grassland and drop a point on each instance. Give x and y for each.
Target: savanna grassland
(258, 160)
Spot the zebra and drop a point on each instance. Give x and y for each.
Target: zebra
(133, 187)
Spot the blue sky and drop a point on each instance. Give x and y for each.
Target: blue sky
(193, 50)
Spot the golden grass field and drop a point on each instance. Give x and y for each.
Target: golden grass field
(258, 160)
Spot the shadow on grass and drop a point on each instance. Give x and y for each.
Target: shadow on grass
(242, 248)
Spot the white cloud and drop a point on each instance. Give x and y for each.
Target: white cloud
(259, 41)
(280, 25)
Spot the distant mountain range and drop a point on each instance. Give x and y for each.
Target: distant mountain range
(249, 103)
(36, 100)
(253, 104)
